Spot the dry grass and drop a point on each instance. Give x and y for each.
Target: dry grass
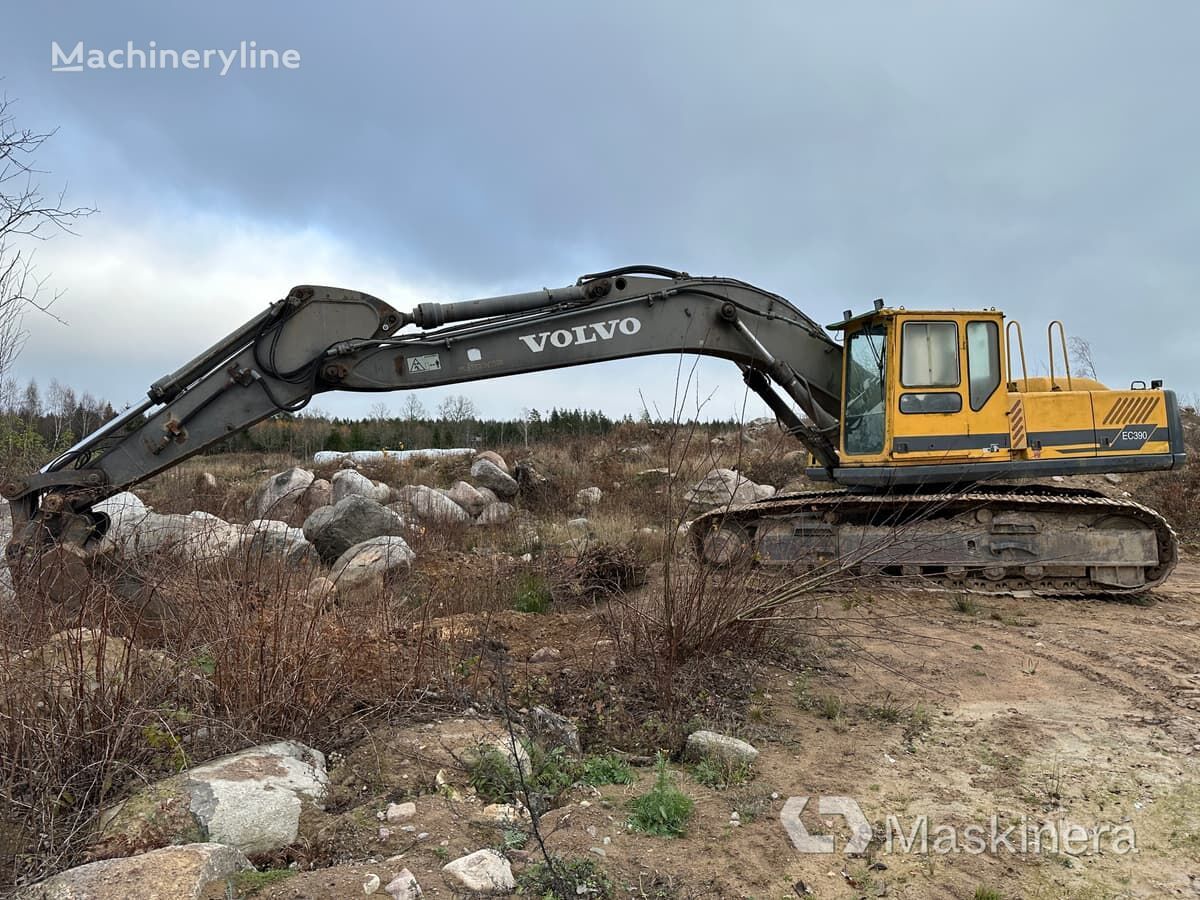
(134, 685)
(162, 664)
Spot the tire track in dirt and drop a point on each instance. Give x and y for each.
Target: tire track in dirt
(1160, 698)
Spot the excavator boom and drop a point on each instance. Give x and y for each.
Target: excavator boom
(321, 338)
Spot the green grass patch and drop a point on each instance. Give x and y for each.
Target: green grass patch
(720, 774)
(495, 779)
(965, 603)
(251, 882)
(664, 810)
(607, 769)
(565, 879)
(533, 594)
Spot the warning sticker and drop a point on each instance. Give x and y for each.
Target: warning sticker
(431, 362)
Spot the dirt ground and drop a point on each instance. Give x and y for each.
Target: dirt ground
(1077, 712)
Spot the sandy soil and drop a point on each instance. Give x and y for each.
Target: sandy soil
(1080, 712)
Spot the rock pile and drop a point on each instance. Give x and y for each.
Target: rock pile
(355, 526)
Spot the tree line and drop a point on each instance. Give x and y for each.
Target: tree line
(37, 424)
(454, 423)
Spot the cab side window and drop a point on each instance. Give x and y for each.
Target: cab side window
(929, 357)
(983, 361)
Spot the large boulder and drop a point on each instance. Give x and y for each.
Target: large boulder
(427, 505)
(186, 872)
(482, 872)
(404, 886)
(468, 497)
(588, 497)
(335, 529)
(660, 475)
(125, 512)
(349, 483)
(135, 532)
(209, 538)
(319, 493)
(278, 495)
(529, 478)
(495, 514)
(251, 800)
(722, 487)
(492, 476)
(272, 539)
(554, 729)
(495, 458)
(719, 748)
(373, 561)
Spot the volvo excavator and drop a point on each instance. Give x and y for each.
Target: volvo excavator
(931, 443)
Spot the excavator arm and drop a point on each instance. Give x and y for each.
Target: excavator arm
(321, 339)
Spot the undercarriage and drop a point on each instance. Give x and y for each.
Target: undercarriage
(996, 539)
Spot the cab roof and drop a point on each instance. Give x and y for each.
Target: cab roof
(888, 312)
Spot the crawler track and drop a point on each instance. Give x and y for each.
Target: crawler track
(1001, 539)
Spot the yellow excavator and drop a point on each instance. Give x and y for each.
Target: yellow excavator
(934, 438)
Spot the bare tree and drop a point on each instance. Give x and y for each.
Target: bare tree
(412, 410)
(1082, 364)
(528, 415)
(380, 412)
(456, 409)
(26, 216)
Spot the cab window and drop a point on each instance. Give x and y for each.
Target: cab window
(983, 361)
(864, 406)
(929, 357)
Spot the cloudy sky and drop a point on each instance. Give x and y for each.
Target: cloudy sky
(1036, 157)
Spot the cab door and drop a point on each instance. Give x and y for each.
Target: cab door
(948, 393)
(865, 395)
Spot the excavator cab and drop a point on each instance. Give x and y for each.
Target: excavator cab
(929, 397)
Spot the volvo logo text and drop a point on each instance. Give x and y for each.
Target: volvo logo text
(582, 334)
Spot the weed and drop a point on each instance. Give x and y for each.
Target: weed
(987, 893)
(491, 775)
(801, 692)
(512, 839)
(607, 769)
(533, 594)
(565, 879)
(887, 710)
(494, 778)
(919, 722)
(831, 707)
(664, 810)
(720, 774)
(965, 603)
(251, 882)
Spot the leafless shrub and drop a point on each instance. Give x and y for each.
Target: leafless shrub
(163, 663)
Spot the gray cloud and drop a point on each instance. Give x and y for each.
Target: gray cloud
(1029, 156)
